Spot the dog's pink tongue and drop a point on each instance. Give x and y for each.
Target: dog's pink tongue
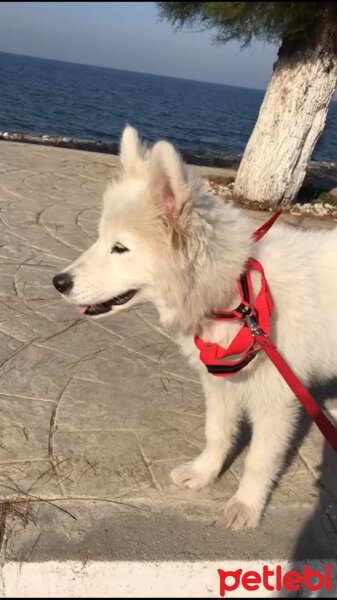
(81, 309)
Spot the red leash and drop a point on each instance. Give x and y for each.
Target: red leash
(261, 231)
(254, 337)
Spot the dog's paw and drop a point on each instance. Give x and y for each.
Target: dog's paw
(187, 475)
(239, 515)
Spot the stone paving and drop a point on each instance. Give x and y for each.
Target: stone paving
(95, 414)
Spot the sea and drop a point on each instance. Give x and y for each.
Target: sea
(48, 97)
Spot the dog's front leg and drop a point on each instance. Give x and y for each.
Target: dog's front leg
(273, 425)
(222, 415)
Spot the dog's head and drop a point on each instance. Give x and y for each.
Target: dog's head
(141, 245)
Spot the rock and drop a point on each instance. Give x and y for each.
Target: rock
(319, 209)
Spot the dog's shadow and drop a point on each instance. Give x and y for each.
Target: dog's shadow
(241, 443)
(320, 531)
(318, 538)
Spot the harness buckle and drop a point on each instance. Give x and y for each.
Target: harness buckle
(253, 325)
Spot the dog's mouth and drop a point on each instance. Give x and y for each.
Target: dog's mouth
(104, 307)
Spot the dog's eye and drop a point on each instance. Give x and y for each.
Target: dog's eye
(119, 248)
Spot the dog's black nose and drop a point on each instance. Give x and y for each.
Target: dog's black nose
(63, 282)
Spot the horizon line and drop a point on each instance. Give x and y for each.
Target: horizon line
(70, 62)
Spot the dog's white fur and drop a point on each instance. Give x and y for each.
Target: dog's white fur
(186, 251)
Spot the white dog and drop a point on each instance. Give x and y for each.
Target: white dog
(163, 239)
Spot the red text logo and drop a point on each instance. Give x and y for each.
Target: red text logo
(275, 579)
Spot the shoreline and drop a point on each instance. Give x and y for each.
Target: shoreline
(205, 158)
(202, 158)
(318, 195)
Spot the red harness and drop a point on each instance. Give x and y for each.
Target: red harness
(254, 337)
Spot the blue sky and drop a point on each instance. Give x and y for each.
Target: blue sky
(128, 35)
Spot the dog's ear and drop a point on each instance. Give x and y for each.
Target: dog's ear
(130, 154)
(168, 180)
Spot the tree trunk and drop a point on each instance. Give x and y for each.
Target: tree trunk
(291, 119)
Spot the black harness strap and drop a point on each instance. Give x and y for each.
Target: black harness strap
(223, 369)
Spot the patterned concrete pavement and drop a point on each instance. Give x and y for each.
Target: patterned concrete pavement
(94, 414)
